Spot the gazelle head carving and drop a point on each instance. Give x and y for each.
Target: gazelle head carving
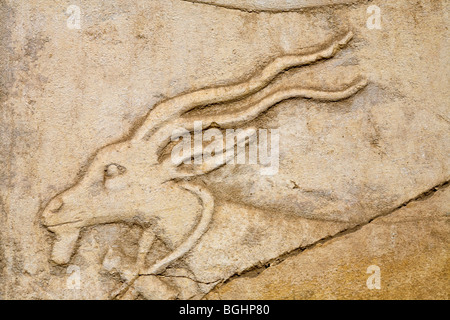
(124, 183)
(130, 181)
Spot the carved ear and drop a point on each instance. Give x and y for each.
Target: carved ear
(204, 159)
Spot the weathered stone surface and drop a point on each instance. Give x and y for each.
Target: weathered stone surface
(272, 5)
(410, 246)
(92, 205)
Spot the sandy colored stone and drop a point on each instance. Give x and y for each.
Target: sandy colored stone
(87, 189)
(272, 5)
(410, 246)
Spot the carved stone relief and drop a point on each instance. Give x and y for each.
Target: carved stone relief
(120, 180)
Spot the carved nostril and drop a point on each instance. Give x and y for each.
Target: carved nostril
(56, 204)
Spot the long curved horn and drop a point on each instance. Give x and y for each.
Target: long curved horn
(168, 109)
(162, 137)
(235, 119)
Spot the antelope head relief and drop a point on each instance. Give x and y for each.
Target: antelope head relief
(132, 182)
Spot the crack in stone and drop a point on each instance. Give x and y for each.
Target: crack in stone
(184, 277)
(259, 268)
(442, 117)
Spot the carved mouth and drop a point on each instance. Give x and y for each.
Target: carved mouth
(63, 223)
(64, 246)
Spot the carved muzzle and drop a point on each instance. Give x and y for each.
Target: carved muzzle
(66, 230)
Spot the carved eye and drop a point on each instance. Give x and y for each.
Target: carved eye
(114, 170)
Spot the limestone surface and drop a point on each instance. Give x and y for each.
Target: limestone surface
(212, 149)
(407, 248)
